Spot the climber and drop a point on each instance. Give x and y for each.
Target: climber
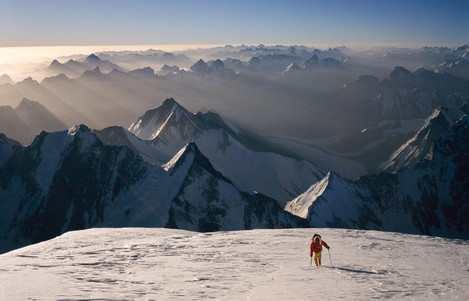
(316, 248)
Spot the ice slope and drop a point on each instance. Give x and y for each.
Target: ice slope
(165, 264)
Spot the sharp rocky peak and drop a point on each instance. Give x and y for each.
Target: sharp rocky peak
(200, 66)
(192, 158)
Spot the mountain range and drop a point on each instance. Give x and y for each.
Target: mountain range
(300, 137)
(70, 180)
(73, 68)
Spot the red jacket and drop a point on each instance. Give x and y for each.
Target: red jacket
(317, 248)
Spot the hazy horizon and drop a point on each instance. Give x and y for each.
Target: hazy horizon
(29, 57)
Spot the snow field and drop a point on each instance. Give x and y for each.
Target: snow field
(165, 264)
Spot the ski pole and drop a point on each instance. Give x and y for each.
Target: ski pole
(329, 256)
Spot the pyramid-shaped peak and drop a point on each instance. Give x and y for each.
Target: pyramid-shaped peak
(92, 57)
(55, 63)
(400, 72)
(218, 64)
(170, 104)
(4, 78)
(192, 148)
(169, 115)
(190, 157)
(200, 66)
(188, 152)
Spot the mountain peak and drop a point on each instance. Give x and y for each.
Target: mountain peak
(26, 101)
(77, 129)
(303, 204)
(181, 157)
(190, 157)
(200, 67)
(170, 120)
(5, 79)
(55, 63)
(217, 65)
(400, 73)
(170, 102)
(92, 57)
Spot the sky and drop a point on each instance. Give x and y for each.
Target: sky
(220, 22)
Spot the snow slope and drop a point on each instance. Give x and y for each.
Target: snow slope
(166, 264)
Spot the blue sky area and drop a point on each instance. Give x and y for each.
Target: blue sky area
(153, 22)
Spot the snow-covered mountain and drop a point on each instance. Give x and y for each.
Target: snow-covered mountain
(420, 145)
(208, 201)
(430, 198)
(250, 162)
(69, 180)
(167, 264)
